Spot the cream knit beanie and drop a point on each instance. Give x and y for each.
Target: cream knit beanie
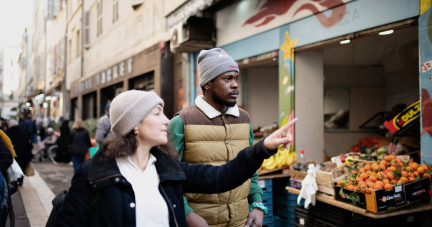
(129, 108)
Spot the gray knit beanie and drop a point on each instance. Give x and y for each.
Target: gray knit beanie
(129, 108)
(212, 63)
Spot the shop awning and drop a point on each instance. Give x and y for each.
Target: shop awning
(188, 9)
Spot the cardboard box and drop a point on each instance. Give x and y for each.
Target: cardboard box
(382, 200)
(348, 196)
(417, 190)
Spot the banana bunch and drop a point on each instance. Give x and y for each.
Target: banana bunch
(282, 158)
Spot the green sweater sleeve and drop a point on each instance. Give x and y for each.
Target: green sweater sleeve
(176, 130)
(255, 193)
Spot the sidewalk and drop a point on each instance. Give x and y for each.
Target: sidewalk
(37, 199)
(38, 191)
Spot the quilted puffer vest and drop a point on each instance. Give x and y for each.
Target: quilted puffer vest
(216, 141)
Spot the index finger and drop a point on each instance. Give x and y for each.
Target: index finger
(289, 124)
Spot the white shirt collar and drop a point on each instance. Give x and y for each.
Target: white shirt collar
(211, 112)
(151, 161)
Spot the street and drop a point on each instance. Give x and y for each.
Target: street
(32, 204)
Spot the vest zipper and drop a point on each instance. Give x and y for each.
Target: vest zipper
(169, 203)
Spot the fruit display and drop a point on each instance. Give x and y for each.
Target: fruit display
(367, 145)
(282, 158)
(384, 174)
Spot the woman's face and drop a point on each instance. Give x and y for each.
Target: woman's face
(152, 129)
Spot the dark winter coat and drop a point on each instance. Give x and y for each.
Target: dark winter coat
(78, 142)
(22, 146)
(6, 158)
(113, 208)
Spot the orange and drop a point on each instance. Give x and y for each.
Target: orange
(424, 166)
(373, 174)
(386, 181)
(370, 184)
(411, 179)
(393, 181)
(356, 188)
(381, 175)
(420, 170)
(416, 174)
(367, 167)
(339, 182)
(375, 167)
(354, 171)
(379, 182)
(366, 163)
(388, 186)
(390, 176)
(364, 190)
(400, 182)
(392, 168)
(383, 162)
(369, 171)
(391, 157)
(404, 173)
(414, 166)
(359, 179)
(378, 186)
(364, 176)
(383, 167)
(362, 170)
(351, 187)
(409, 169)
(373, 179)
(426, 175)
(404, 179)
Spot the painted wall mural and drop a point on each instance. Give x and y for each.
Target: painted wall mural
(425, 47)
(247, 18)
(272, 9)
(286, 81)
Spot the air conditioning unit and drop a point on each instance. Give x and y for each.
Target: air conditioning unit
(194, 35)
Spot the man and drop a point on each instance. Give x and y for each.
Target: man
(212, 132)
(103, 129)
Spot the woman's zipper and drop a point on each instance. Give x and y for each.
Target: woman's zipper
(169, 203)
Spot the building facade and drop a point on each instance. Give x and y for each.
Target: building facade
(121, 51)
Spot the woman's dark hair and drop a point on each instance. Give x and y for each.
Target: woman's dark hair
(122, 146)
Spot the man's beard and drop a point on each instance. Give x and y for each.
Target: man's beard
(221, 102)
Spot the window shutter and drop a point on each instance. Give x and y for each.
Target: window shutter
(87, 30)
(56, 7)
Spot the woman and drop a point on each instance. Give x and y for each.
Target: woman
(62, 154)
(137, 183)
(21, 143)
(78, 143)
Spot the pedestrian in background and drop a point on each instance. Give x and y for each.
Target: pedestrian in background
(103, 130)
(31, 129)
(21, 143)
(78, 143)
(137, 178)
(62, 151)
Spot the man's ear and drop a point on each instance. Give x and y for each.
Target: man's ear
(207, 86)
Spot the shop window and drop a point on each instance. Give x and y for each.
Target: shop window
(89, 106)
(336, 108)
(107, 95)
(144, 82)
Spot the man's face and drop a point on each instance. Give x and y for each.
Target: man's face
(224, 89)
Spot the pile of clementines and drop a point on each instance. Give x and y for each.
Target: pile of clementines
(385, 174)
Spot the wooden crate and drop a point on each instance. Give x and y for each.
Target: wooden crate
(325, 178)
(298, 174)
